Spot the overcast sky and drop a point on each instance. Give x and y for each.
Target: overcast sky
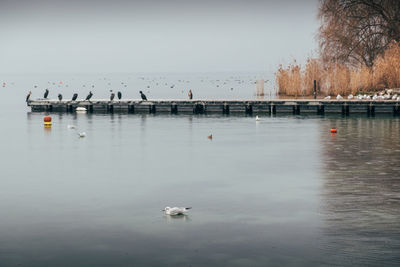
(154, 35)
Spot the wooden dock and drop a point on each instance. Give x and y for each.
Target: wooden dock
(200, 106)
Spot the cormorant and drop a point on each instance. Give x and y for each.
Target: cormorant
(112, 96)
(89, 95)
(46, 93)
(60, 97)
(28, 96)
(74, 97)
(119, 94)
(143, 96)
(190, 94)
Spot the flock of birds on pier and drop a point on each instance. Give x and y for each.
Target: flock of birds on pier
(384, 95)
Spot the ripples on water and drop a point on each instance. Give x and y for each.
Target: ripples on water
(282, 191)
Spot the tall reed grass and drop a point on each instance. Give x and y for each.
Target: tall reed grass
(333, 78)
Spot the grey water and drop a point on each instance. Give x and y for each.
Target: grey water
(282, 191)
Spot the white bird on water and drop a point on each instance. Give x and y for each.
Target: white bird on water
(257, 118)
(175, 210)
(70, 126)
(82, 134)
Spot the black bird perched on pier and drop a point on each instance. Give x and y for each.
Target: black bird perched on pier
(74, 97)
(119, 94)
(143, 96)
(89, 95)
(46, 93)
(60, 97)
(28, 96)
(112, 96)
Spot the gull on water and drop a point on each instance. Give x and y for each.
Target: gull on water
(257, 118)
(70, 126)
(82, 134)
(175, 210)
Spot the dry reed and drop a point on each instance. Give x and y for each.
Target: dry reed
(333, 79)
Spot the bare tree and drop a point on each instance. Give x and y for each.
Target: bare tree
(356, 31)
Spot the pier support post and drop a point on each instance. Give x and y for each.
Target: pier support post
(89, 108)
(272, 109)
(225, 108)
(345, 110)
(174, 108)
(49, 107)
(110, 108)
(69, 108)
(371, 110)
(152, 108)
(249, 109)
(396, 110)
(131, 108)
(198, 108)
(320, 109)
(296, 109)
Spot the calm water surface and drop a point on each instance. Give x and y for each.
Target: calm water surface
(282, 191)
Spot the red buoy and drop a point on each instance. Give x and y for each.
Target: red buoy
(333, 130)
(47, 119)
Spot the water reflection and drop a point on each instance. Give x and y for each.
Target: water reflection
(361, 191)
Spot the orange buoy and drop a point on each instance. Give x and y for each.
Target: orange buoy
(333, 130)
(47, 121)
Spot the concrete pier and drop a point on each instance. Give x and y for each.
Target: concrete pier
(200, 106)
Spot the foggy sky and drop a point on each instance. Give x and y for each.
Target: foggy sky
(154, 35)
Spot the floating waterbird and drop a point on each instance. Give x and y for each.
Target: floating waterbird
(82, 134)
(46, 93)
(70, 126)
(60, 97)
(257, 118)
(143, 96)
(89, 96)
(28, 96)
(119, 94)
(81, 109)
(175, 210)
(112, 96)
(74, 97)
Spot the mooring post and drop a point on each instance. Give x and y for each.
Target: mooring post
(198, 108)
(89, 108)
(345, 110)
(320, 109)
(315, 89)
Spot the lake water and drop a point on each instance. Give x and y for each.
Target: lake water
(283, 191)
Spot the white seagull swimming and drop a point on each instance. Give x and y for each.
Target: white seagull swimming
(257, 118)
(70, 126)
(175, 210)
(82, 134)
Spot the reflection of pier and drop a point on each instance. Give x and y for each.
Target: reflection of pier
(295, 106)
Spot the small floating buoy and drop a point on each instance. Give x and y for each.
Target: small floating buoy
(333, 130)
(47, 121)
